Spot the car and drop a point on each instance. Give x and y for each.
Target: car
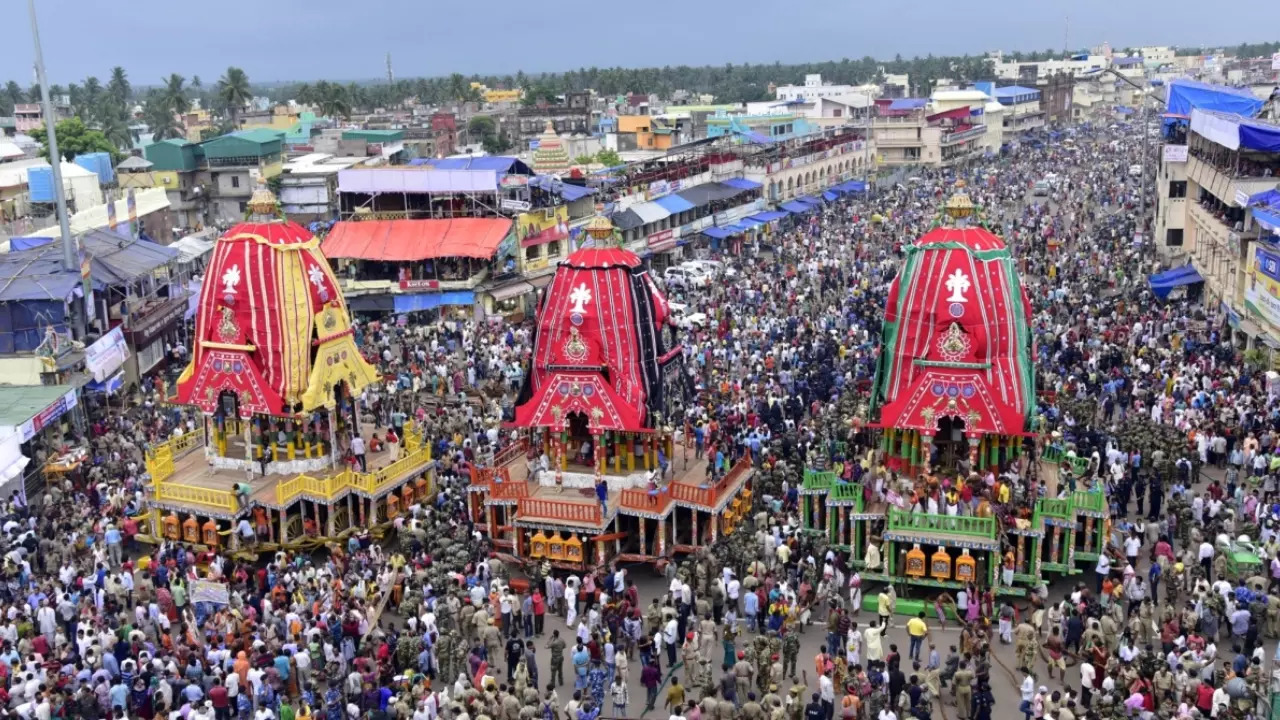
(685, 278)
(1135, 170)
(692, 321)
(1041, 189)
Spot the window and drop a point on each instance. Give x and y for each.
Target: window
(533, 252)
(244, 206)
(1173, 238)
(553, 249)
(235, 181)
(1177, 188)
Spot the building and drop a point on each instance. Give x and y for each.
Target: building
(236, 164)
(1023, 112)
(575, 115)
(779, 124)
(1028, 72)
(1156, 56)
(1056, 92)
(814, 89)
(910, 131)
(309, 186)
(135, 172)
(176, 166)
(30, 116)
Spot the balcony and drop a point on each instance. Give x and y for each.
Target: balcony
(1221, 184)
(893, 142)
(961, 135)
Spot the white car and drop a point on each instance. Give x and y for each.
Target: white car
(686, 278)
(692, 321)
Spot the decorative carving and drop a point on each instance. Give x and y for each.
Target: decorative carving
(575, 348)
(228, 330)
(954, 344)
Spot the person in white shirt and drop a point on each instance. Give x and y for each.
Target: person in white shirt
(1103, 569)
(1088, 675)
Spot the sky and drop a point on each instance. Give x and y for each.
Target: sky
(341, 40)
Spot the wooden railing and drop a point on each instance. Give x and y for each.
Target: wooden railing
(219, 499)
(510, 452)
(706, 495)
(901, 520)
(1091, 500)
(160, 458)
(369, 483)
(645, 501)
(504, 489)
(818, 480)
(558, 510)
(1054, 507)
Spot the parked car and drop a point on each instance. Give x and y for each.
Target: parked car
(695, 321)
(1041, 189)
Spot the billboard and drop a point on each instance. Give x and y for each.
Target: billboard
(1262, 294)
(542, 226)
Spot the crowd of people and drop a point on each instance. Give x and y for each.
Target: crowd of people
(428, 622)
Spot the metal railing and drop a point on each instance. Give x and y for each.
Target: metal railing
(818, 480)
(191, 495)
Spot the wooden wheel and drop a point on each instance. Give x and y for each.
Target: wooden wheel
(293, 526)
(341, 518)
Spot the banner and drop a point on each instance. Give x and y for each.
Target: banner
(1175, 153)
(1262, 296)
(543, 226)
(210, 592)
(106, 355)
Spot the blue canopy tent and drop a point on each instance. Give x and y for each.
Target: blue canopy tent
(717, 232)
(1183, 95)
(809, 199)
(1163, 283)
(851, 186)
(743, 184)
(674, 203)
(797, 207)
(829, 196)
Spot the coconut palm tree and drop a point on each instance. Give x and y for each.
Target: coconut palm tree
(234, 92)
(33, 94)
(118, 87)
(175, 94)
(157, 113)
(333, 100)
(116, 129)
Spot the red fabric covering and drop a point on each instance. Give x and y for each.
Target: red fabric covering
(959, 113)
(232, 371)
(589, 320)
(411, 240)
(961, 321)
(274, 233)
(582, 392)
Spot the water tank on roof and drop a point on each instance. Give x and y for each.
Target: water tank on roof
(40, 184)
(98, 163)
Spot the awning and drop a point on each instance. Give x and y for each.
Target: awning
(707, 193)
(1267, 217)
(809, 199)
(959, 113)
(750, 223)
(108, 386)
(674, 203)
(743, 183)
(1163, 283)
(566, 190)
(717, 232)
(192, 247)
(627, 220)
(506, 292)
(770, 215)
(650, 212)
(581, 392)
(829, 196)
(852, 186)
(412, 240)
(371, 303)
(796, 207)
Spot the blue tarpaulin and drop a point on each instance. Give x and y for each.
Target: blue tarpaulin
(810, 199)
(674, 203)
(852, 186)
(498, 163)
(1268, 218)
(431, 301)
(755, 137)
(749, 223)
(717, 232)
(26, 243)
(908, 103)
(770, 216)
(742, 183)
(1184, 95)
(796, 207)
(108, 386)
(568, 191)
(828, 195)
(1163, 283)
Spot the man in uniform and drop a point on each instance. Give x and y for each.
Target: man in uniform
(752, 710)
(963, 690)
(742, 672)
(1024, 640)
(556, 645)
(790, 652)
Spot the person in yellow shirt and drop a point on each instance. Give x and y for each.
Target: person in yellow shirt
(918, 629)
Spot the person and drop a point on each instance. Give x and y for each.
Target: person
(918, 630)
(650, 678)
(675, 696)
(618, 691)
(357, 450)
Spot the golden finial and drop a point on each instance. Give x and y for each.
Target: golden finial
(600, 228)
(959, 206)
(263, 202)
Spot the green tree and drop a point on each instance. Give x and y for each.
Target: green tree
(119, 89)
(175, 94)
(74, 138)
(481, 127)
(458, 87)
(116, 130)
(234, 92)
(583, 160)
(608, 158)
(92, 94)
(157, 113)
(33, 93)
(305, 94)
(497, 144)
(332, 100)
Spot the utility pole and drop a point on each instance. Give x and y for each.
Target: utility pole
(70, 254)
(391, 78)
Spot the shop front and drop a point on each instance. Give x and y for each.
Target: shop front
(150, 333)
(40, 420)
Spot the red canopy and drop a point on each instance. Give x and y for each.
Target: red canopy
(959, 113)
(228, 370)
(410, 240)
(583, 392)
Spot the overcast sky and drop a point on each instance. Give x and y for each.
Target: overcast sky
(346, 39)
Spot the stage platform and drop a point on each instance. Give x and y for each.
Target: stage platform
(204, 485)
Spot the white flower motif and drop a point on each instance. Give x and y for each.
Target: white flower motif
(230, 279)
(317, 277)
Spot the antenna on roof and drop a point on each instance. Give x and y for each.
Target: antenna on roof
(1066, 36)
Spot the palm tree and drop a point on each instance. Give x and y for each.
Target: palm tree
(158, 115)
(33, 94)
(175, 95)
(234, 92)
(305, 94)
(458, 87)
(333, 100)
(117, 131)
(118, 87)
(73, 92)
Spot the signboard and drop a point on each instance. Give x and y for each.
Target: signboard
(47, 416)
(513, 181)
(157, 321)
(543, 226)
(661, 240)
(1262, 296)
(534, 264)
(516, 205)
(658, 188)
(407, 284)
(1275, 61)
(106, 355)
(1242, 198)
(1175, 153)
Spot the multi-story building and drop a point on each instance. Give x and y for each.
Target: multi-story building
(309, 186)
(908, 131)
(575, 115)
(212, 181)
(30, 116)
(1028, 72)
(1055, 96)
(1022, 109)
(815, 89)
(175, 166)
(1230, 161)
